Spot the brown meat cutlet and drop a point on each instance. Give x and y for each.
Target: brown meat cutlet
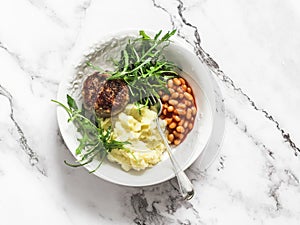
(106, 97)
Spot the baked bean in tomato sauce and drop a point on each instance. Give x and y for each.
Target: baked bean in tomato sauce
(179, 109)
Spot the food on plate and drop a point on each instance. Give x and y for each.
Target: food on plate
(96, 134)
(143, 66)
(138, 127)
(117, 121)
(179, 109)
(90, 89)
(105, 97)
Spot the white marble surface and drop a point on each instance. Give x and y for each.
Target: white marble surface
(255, 179)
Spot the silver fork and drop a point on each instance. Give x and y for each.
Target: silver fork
(184, 183)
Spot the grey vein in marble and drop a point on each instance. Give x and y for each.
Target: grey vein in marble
(275, 185)
(139, 204)
(214, 67)
(169, 199)
(243, 127)
(292, 179)
(221, 162)
(211, 63)
(22, 65)
(33, 157)
(49, 12)
(273, 192)
(172, 17)
(83, 8)
(161, 210)
(18, 60)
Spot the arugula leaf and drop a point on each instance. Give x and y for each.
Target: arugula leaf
(71, 102)
(94, 141)
(157, 35)
(94, 67)
(143, 67)
(146, 71)
(168, 35)
(144, 35)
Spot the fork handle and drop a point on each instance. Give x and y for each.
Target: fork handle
(184, 183)
(185, 186)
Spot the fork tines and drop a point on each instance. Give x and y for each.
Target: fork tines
(150, 98)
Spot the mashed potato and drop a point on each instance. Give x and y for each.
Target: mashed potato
(138, 128)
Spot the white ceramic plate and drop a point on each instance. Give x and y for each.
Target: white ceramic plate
(186, 153)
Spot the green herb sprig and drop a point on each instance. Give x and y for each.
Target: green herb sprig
(143, 67)
(95, 141)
